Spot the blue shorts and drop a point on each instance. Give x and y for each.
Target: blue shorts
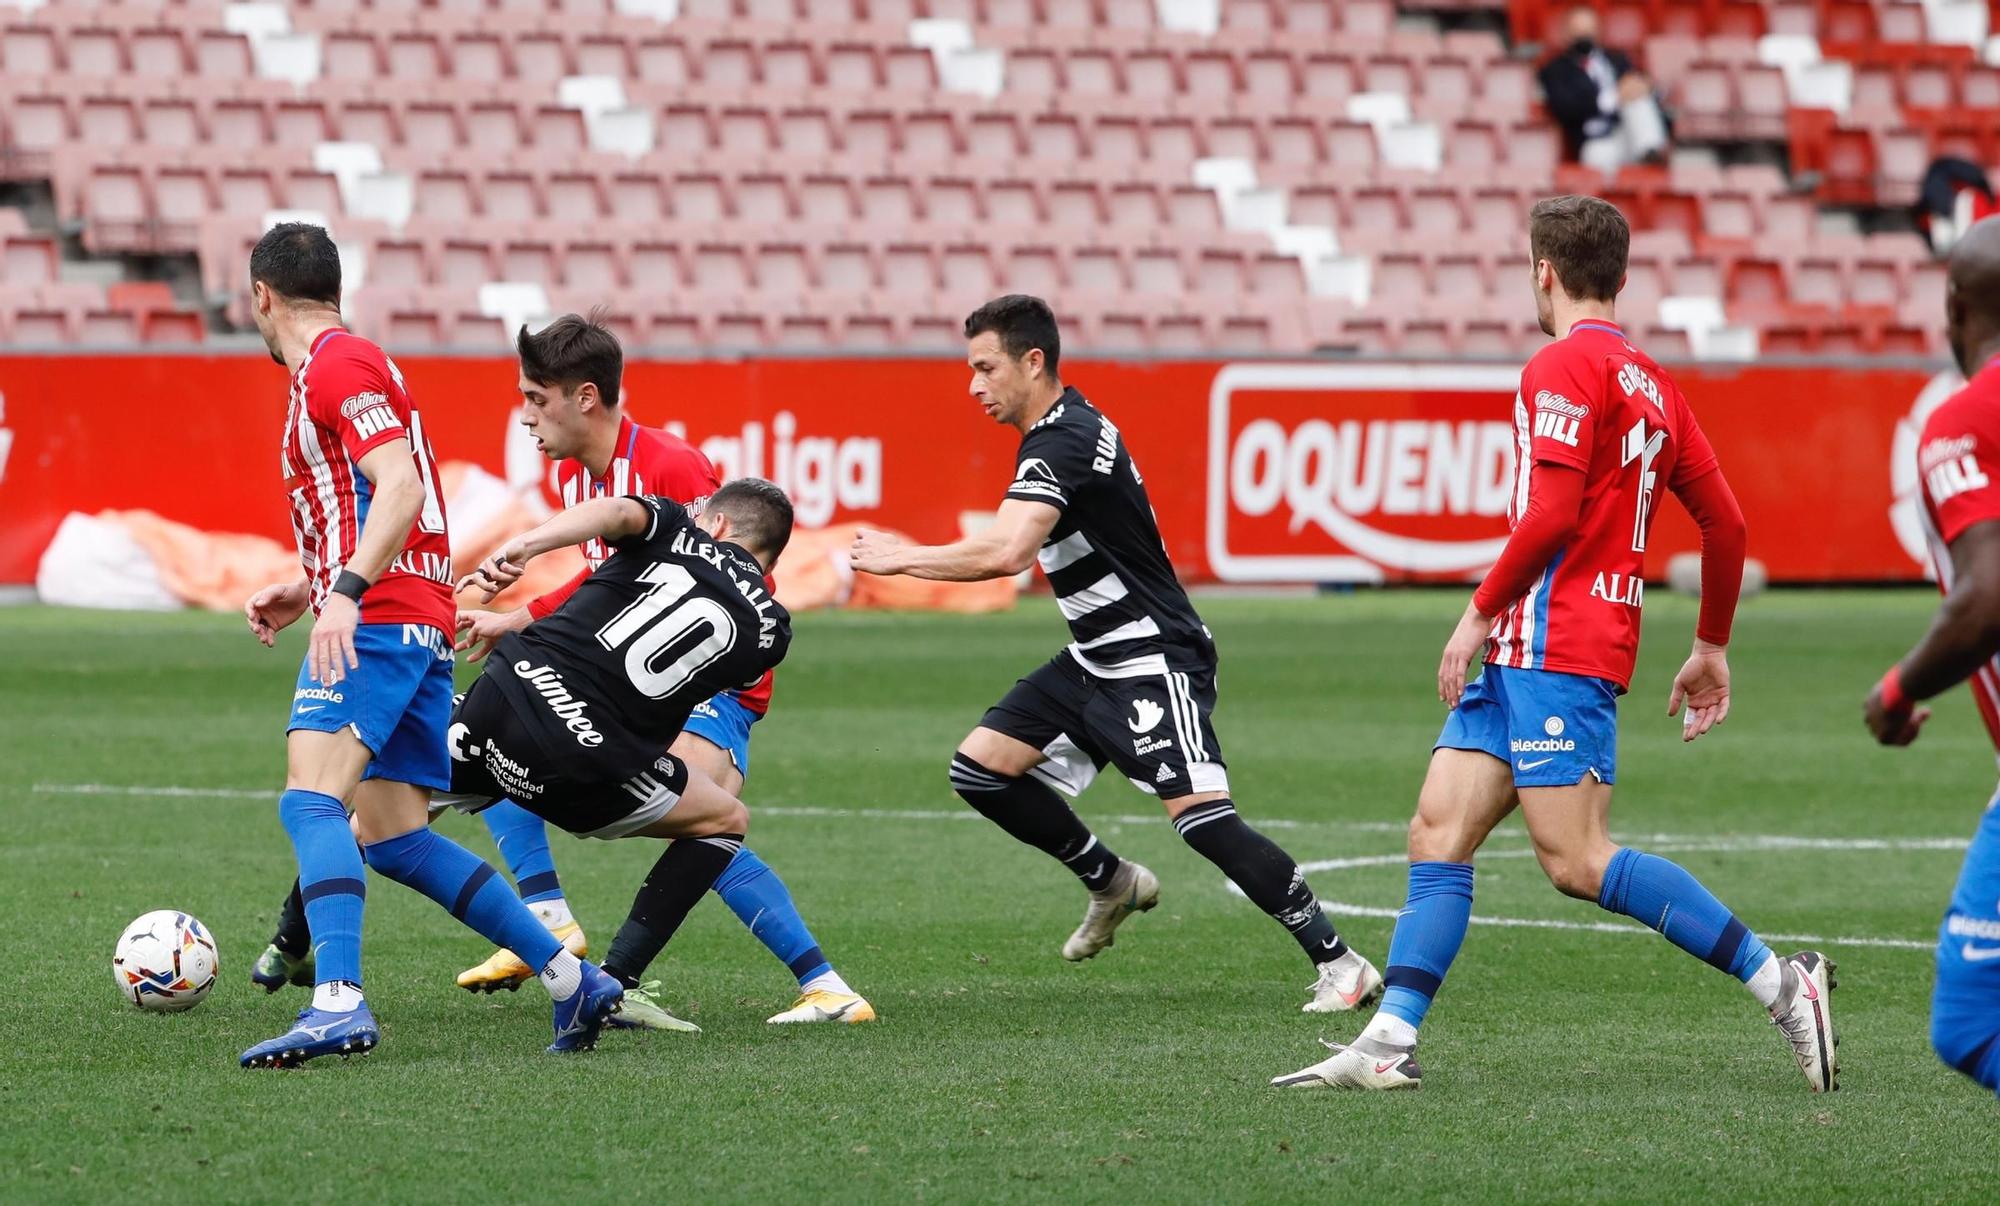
(725, 723)
(1552, 728)
(397, 701)
(1965, 1005)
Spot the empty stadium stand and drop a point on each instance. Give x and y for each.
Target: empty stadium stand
(1241, 176)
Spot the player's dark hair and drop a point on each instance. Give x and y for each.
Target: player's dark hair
(298, 260)
(572, 350)
(1586, 240)
(1021, 322)
(760, 512)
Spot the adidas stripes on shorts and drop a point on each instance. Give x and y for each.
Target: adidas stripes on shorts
(1145, 717)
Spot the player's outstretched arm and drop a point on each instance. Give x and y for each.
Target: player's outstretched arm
(609, 519)
(1004, 548)
(1963, 636)
(396, 499)
(1703, 682)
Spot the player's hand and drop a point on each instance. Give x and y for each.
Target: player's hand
(1897, 726)
(876, 552)
(499, 571)
(1703, 685)
(330, 652)
(1465, 643)
(274, 608)
(477, 630)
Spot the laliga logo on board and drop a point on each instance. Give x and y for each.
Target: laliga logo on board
(1904, 471)
(821, 473)
(1373, 470)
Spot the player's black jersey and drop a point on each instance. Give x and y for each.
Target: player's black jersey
(606, 682)
(1104, 557)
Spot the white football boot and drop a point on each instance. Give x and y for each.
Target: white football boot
(1366, 1063)
(1348, 982)
(1804, 1015)
(1133, 890)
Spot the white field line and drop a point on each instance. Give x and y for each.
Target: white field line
(762, 810)
(1664, 842)
(1724, 842)
(1341, 909)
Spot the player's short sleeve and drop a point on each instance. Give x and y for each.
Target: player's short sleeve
(352, 396)
(1563, 389)
(1958, 461)
(664, 517)
(1053, 467)
(1694, 456)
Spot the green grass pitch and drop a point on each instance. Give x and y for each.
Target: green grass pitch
(1562, 1063)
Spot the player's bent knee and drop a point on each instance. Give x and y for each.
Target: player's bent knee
(1573, 875)
(999, 753)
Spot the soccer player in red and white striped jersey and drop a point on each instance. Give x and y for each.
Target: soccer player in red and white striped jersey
(1601, 431)
(373, 699)
(1958, 461)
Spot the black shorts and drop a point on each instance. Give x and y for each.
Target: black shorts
(1152, 724)
(493, 757)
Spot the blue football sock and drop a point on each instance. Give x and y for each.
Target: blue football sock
(1660, 894)
(467, 885)
(760, 901)
(331, 882)
(1429, 931)
(523, 839)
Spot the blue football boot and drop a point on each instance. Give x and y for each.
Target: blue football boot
(317, 1033)
(579, 1019)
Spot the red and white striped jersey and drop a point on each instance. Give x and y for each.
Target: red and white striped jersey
(1958, 462)
(1592, 401)
(644, 460)
(347, 399)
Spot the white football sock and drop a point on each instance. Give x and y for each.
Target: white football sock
(827, 981)
(553, 914)
(1390, 1029)
(337, 996)
(563, 976)
(1765, 981)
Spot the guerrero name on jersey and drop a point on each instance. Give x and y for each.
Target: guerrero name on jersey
(348, 399)
(1594, 402)
(669, 620)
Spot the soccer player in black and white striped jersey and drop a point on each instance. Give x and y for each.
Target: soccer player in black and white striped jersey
(1136, 685)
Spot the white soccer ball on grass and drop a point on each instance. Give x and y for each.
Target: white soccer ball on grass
(165, 961)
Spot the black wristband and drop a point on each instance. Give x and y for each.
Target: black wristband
(351, 584)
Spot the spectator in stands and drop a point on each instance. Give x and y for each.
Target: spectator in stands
(1608, 110)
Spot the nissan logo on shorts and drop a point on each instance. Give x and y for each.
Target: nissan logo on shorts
(1359, 473)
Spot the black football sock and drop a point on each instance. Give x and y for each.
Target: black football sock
(294, 936)
(1267, 875)
(1032, 812)
(684, 874)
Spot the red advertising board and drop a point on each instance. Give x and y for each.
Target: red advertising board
(1260, 472)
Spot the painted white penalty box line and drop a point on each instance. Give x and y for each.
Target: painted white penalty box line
(1661, 842)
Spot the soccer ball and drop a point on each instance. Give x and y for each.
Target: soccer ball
(165, 961)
